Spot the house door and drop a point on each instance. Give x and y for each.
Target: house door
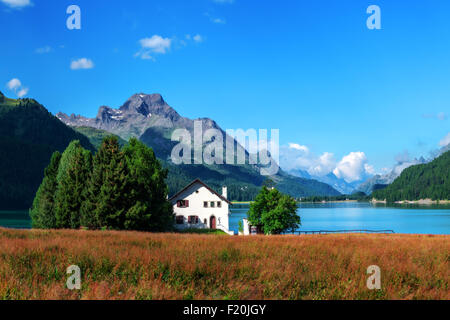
(212, 223)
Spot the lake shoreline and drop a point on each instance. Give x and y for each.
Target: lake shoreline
(420, 202)
(342, 215)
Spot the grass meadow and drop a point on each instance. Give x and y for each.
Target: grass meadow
(132, 265)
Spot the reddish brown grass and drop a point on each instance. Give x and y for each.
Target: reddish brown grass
(131, 265)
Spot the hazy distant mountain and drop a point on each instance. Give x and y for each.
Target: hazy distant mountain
(149, 118)
(339, 184)
(422, 181)
(369, 185)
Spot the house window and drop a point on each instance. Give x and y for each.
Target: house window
(180, 220)
(219, 204)
(205, 222)
(212, 204)
(193, 219)
(205, 204)
(183, 203)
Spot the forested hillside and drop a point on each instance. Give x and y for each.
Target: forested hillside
(29, 135)
(424, 181)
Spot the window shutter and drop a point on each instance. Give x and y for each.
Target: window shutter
(178, 203)
(187, 203)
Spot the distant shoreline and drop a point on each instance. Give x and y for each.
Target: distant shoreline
(421, 201)
(332, 201)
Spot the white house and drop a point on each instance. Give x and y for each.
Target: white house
(199, 206)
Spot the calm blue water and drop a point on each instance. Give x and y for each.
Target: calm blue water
(353, 215)
(15, 219)
(329, 216)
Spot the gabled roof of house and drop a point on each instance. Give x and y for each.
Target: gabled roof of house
(203, 184)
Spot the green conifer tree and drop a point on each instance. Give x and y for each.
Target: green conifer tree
(42, 211)
(108, 194)
(149, 209)
(72, 180)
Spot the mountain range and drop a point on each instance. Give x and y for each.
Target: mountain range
(150, 118)
(373, 183)
(29, 134)
(380, 181)
(338, 184)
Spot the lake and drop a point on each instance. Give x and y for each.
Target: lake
(363, 215)
(329, 216)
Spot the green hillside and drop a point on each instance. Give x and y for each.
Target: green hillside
(29, 134)
(96, 136)
(424, 181)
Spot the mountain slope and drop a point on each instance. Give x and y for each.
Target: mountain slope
(379, 181)
(153, 121)
(424, 181)
(29, 135)
(96, 136)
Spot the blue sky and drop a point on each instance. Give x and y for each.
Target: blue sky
(335, 89)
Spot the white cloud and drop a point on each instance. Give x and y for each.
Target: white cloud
(369, 169)
(223, 1)
(218, 20)
(439, 116)
(445, 141)
(15, 85)
(155, 44)
(17, 4)
(299, 157)
(324, 165)
(22, 92)
(353, 167)
(43, 50)
(82, 63)
(198, 38)
(298, 147)
(215, 19)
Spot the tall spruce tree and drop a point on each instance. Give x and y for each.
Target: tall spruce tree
(108, 194)
(72, 179)
(149, 209)
(42, 211)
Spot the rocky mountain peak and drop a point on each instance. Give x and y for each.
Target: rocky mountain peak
(145, 104)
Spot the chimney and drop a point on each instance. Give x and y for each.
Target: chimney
(224, 192)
